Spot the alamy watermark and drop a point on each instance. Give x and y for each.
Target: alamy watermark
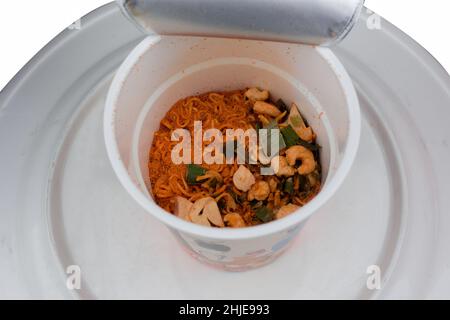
(75, 26)
(73, 281)
(374, 279)
(245, 147)
(373, 20)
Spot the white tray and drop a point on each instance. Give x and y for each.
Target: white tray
(62, 205)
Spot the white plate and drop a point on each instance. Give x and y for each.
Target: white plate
(61, 204)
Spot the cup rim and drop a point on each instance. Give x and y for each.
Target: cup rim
(262, 230)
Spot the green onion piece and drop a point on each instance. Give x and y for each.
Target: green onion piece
(238, 199)
(194, 171)
(264, 214)
(213, 183)
(289, 186)
(242, 198)
(254, 204)
(297, 121)
(291, 138)
(232, 193)
(273, 125)
(281, 105)
(303, 182)
(311, 146)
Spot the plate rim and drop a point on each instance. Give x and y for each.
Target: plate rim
(15, 83)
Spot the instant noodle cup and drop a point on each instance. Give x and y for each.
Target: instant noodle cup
(162, 70)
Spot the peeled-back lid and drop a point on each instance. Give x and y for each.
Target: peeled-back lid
(314, 22)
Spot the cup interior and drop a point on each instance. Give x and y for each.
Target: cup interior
(162, 70)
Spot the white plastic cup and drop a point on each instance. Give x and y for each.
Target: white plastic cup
(162, 70)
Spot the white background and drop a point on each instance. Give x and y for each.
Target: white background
(27, 25)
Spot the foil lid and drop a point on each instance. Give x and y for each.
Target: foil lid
(314, 22)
